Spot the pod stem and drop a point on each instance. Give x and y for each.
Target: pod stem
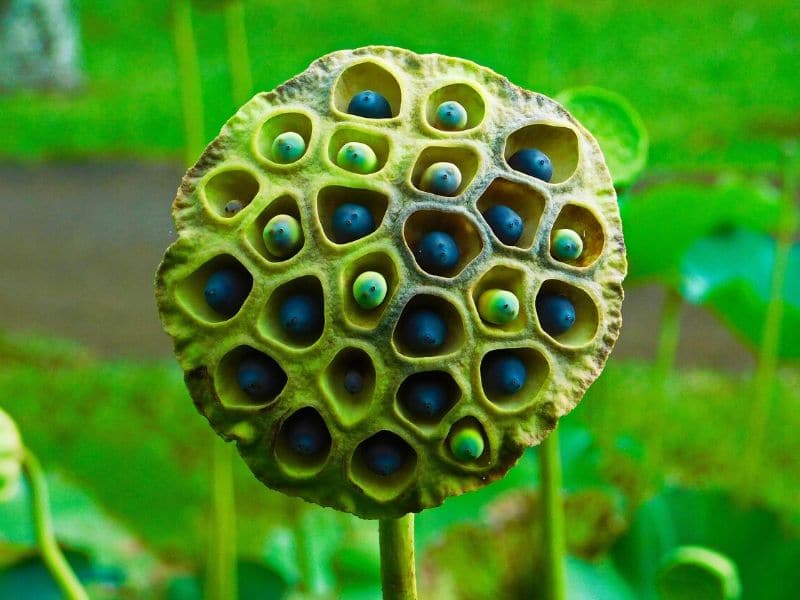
(45, 534)
(767, 361)
(189, 75)
(221, 581)
(398, 572)
(238, 54)
(553, 519)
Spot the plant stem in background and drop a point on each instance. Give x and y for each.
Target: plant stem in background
(398, 572)
(45, 535)
(221, 580)
(189, 76)
(238, 55)
(764, 378)
(553, 518)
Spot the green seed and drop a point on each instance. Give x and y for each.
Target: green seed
(566, 245)
(283, 236)
(288, 147)
(467, 445)
(358, 158)
(498, 306)
(369, 289)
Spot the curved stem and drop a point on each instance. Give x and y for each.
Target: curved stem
(553, 518)
(189, 72)
(238, 55)
(398, 572)
(221, 583)
(45, 535)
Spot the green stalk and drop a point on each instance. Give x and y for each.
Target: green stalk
(189, 72)
(45, 535)
(221, 582)
(555, 551)
(238, 55)
(398, 572)
(767, 362)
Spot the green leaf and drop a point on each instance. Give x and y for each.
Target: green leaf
(663, 222)
(616, 125)
(731, 273)
(588, 581)
(697, 573)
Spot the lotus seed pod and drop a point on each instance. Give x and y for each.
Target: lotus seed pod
(369, 289)
(288, 147)
(467, 445)
(10, 457)
(498, 306)
(283, 236)
(451, 116)
(392, 385)
(441, 178)
(566, 245)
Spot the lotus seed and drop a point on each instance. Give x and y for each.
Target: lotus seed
(226, 290)
(503, 373)
(351, 222)
(288, 147)
(423, 330)
(505, 222)
(425, 396)
(283, 236)
(369, 289)
(307, 434)
(384, 455)
(498, 306)
(353, 381)
(370, 104)
(358, 158)
(533, 162)
(438, 252)
(260, 378)
(301, 315)
(566, 245)
(441, 178)
(451, 115)
(232, 208)
(467, 445)
(556, 313)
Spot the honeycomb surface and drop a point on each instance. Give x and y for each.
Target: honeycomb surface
(237, 166)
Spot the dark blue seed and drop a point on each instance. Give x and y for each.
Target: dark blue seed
(227, 289)
(423, 330)
(556, 313)
(306, 433)
(425, 396)
(533, 162)
(505, 222)
(385, 454)
(370, 104)
(301, 315)
(351, 222)
(353, 381)
(260, 377)
(438, 252)
(503, 372)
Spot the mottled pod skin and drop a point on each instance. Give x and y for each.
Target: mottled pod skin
(370, 429)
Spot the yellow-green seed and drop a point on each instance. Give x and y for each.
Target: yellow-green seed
(288, 147)
(283, 236)
(467, 444)
(566, 245)
(358, 158)
(498, 306)
(369, 289)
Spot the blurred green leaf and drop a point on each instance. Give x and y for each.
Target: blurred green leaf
(731, 273)
(616, 125)
(663, 222)
(697, 573)
(590, 581)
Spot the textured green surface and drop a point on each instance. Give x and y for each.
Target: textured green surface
(580, 196)
(10, 457)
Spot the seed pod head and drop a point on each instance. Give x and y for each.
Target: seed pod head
(10, 457)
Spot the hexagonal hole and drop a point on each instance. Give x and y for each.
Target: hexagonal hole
(277, 124)
(244, 364)
(295, 313)
(468, 424)
(587, 317)
(495, 369)
(303, 443)
(367, 75)
(283, 205)
(558, 142)
(463, 157)
(460, 227)
(349, 381)
(377, 141)
(501, 277)
(332, 197)
(466, 95)
(586, 224)
(524, 200)
(191, 291)
(383, 465)
(379, 262)
(423, 304)
(228, 191)
(425, 398)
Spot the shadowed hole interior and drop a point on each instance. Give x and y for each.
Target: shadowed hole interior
(228, 378)
(232, 185)
(466, 95)
(425, 398)
(586, 322)
(332, 197)
(363, 76)
(283, 205)
(454, 336)
(524, 200)
(282, 123)
(463, 157)
(303, 443)
(350, 381)
(559, 143)
(536, 370)
(462, 229)
(383, 465)
(191, 291)
(586, 224)
(273, 319)
(378, 142)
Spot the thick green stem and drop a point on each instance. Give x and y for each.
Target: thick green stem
(767, 365)
(221, 582)
(238, 55)
(45, 535)
(555, 551)
(398, 572)
(189, 77)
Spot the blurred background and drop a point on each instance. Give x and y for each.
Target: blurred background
(687, 439)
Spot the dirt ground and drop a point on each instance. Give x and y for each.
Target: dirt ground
(80, 243)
